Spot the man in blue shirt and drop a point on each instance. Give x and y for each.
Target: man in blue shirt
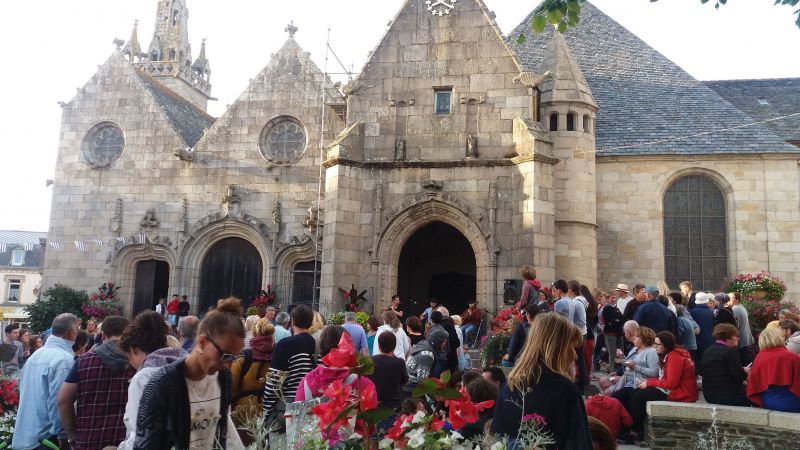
(356, 332)
(38, 416)
(654, 315)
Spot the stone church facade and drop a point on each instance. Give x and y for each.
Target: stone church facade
(455, 156)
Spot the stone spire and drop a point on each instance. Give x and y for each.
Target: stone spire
(170, 34)
(132, 49)
(201, 65)
(169, 57)
(567, 83)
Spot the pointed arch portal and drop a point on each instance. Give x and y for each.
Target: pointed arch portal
(436, 261)
(231, 267)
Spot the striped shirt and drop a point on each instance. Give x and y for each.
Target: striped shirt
(293, 358)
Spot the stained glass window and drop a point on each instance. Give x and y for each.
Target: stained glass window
(283, 140)
(695, 233)
(103, 145)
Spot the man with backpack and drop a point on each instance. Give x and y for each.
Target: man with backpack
(530, 287)
(611, 319)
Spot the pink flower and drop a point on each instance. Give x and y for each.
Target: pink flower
(534, 417)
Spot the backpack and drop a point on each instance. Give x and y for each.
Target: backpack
(613, 317)
(533, 295)
(248, 363)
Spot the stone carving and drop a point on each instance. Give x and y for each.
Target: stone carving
(232, 201)
(532, 79)
(313, 220)
(432, 186)
(291, 29)
(492, 195)
(184, 154)
(494, 246)
(149, 220)
(116, 222)
(400, 149)
(351, 88)
(184, 219)
(449, 198)
(378, 215)
(276, 212)
(472, 146)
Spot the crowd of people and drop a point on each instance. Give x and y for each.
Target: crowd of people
(154, 382)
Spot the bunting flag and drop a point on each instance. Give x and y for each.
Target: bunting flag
(55, 246)
(97, 242)
(2, 247)
(29, 246)
(79, 246)
(121, 239)
(142, 238)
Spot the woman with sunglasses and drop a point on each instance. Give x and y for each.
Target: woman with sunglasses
(187, 404)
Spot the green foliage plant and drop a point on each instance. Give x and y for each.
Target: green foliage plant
(56, 300)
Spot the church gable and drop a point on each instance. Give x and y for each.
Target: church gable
(645, 99)
(441, 74)
(285, 95)
(118, 96)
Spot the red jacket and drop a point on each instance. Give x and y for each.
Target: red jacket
(174, 306)
(609, 411)
(773, 367)
(678, 376)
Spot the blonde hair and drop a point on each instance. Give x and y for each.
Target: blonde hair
(456, 319)
(550, 344)
(771, 338)
(390, 318)
(317, 324)
(263, 328)
(173, 342)
(250, 322)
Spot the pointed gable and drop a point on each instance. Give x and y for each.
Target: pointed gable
(422, 54)
(645, 99)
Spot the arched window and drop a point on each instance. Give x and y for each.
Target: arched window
(554, 122)
(695, 234)
(586, 124)
(571, 122)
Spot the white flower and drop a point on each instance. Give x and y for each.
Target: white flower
(498, 446)
(416, 437)
(455, 435)
(356, 436)
(418, 417)
(385, 443)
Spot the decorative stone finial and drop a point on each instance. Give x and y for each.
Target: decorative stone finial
(291, 29)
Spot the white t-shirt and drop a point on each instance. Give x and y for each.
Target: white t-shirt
(622, 303)
(403, 345)
(204, 410)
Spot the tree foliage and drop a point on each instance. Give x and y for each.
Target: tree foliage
(565, 14)
(55, 300)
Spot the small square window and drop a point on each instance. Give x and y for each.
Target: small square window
(17, 257)
(443, 100)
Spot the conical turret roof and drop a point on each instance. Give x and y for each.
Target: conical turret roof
(567, 83)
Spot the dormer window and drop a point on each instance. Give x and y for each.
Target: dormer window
(17, 257)
(443, 100)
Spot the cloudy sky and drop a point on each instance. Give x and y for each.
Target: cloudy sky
(52, 47)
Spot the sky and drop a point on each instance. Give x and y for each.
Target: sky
(53, 47)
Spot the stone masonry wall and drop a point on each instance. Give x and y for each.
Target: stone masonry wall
(762, 204)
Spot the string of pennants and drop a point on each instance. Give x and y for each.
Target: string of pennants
(79, 246)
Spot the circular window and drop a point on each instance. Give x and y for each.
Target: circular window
(283, 140)
(103, 145)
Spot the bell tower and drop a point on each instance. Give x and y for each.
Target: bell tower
(168, 59)
(568, 111)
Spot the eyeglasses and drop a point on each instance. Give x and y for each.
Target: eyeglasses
(223, 356)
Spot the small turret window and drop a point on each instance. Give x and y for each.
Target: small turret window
(554, 122)
(571, 122)
(587, 127)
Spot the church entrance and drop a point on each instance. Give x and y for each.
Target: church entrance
(152, 283)
(436, 261)
(232, 267)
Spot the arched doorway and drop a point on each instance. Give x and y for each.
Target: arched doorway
(232, 267)
(151, 284)
(436, 261)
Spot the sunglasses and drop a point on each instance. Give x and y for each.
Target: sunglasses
(224, 357)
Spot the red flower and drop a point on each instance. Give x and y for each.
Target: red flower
(463, 411)
(344, 355)
(368, 397)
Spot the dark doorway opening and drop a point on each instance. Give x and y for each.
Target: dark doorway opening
(436, 261)
(152, 283)
(232, 267)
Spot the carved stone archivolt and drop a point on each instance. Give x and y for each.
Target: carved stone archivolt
(434, 193)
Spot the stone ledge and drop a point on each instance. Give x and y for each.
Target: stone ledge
(726, 414)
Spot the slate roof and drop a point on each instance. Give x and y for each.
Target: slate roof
(15, 240)
(782, 97)
(644, 97)
(187, 120)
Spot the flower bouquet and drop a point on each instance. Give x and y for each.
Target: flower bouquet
(760, 285)
(104, 303)
(258, 307)
(762, 311)
(9, 402)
